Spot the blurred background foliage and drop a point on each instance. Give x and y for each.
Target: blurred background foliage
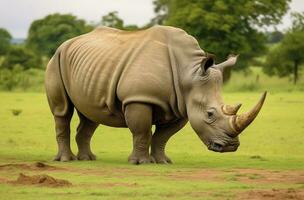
(268, 59)
(5, 38)
(287, 56)
(223, 27)
(45, 35)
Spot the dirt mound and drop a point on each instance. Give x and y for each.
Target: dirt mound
(42, 165)
(34, 166)
(274, 194)
(42, 180)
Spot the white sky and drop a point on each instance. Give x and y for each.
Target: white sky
(17, 15)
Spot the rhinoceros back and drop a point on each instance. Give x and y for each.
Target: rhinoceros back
(107, 69)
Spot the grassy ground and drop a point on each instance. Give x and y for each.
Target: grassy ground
(268, 165)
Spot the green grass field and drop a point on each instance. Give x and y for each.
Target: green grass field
(269, 164)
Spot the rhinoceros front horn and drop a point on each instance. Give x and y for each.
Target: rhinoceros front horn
(240, 122)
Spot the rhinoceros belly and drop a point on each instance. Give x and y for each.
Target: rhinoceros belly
(97, 112)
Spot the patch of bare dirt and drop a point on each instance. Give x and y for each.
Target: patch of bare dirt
(41, 180)
(273, 194)
(3, 180)
(206, 174)
(249, 176)
(34, 166)
(268, 176)
(113, 172)
(103, 172)
(130, 185)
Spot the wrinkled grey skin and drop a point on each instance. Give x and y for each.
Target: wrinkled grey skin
(199, 101)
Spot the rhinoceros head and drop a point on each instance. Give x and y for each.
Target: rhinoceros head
(217, 124)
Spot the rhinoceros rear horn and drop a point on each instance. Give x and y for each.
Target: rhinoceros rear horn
(207, 62)
(240, 122)
(231, 109)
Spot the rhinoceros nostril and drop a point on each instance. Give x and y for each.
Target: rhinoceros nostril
(214, 146)
(217, 145)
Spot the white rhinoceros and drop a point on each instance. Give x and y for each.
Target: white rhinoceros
(158, 76)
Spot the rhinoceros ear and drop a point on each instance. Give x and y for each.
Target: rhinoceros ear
(231, 60)
(207, 62)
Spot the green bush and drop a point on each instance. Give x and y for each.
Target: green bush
(9, 78)
(21, 56)
(16, 112)
(18, 79)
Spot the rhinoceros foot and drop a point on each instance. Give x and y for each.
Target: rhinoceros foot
(140, 159)
(65, 156)
(161, 159)
(86, 156)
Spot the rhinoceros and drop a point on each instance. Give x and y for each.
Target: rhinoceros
(135, 79)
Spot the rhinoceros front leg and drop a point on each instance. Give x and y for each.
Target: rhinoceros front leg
(85, 131)
(161, 136)
(139, 120)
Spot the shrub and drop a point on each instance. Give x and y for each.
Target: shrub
(9, 78)
(16, 112)
(20, 56)
(18, 79)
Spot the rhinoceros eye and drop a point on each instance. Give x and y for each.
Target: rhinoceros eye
(211, 115)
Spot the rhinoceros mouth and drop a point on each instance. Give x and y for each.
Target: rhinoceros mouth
(221, 148)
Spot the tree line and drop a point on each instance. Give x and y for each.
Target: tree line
(221, 27)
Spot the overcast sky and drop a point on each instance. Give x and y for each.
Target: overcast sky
(17, 15)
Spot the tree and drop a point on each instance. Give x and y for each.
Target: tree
(224, 26)
(5, 39)
(22, 57)
(286, 58)
(45, 35)
(297, 21)
(113, 20)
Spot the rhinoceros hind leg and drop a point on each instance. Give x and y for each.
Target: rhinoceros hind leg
(63, 139)
(62, 109)
(85, 131)
(161, 136)
(139, 120)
